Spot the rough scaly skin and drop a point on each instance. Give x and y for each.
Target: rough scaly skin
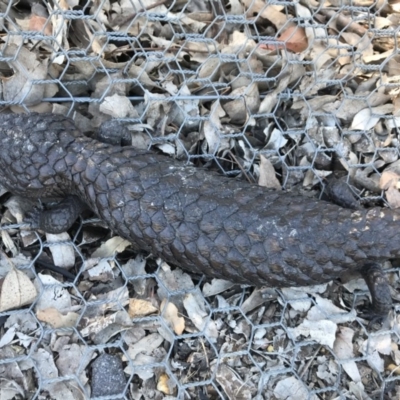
(192, 218)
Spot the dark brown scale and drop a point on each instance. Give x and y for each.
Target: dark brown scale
(193, 218)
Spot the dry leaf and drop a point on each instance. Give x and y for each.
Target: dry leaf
(343, 348)
(53, 294)
(63, 254)
(40, 24)
(390, 182)
(197, 314)
(27, 68)
(232, 384)
(140, 308)
(393, 197)
(170, 314)
(389, 179)
(293, 38)
(292, 388)
(145, 345)
(118, 107)
(248, 103)
(114, 245)
(267, 177)
(368, 117)
(17, 291)
(39, 21)
(164, 385)
(216, 286)
(55, 319)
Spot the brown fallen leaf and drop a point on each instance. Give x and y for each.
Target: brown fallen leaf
(293, 38)
(39, 21)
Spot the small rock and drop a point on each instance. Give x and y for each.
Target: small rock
(108, 376)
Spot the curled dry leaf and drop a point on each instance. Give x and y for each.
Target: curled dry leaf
(17, 291)
(55, 319)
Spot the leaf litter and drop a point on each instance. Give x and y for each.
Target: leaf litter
(283, 100)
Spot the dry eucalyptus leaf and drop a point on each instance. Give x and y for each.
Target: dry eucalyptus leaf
(145, 345)
(390, 182)
(368, 117)
(53, 294)
(393, 197)
(17, 291)
(293, 38)
(199, 316)
(216, 286)
(212, 127)
(102, 272)
(343, 348)
(39, 20)
(268, 177)
(389, 179)
(248, 103)
(26, 68)
(63, 254)
(322, 331)
(292, 388)
(114, 245)
(9, 243)
(96, 324)
(118, 107)
(210, 69)
(170, 314)
(55, 319)
(141, 308)
(270, 100)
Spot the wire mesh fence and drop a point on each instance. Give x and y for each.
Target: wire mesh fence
(284, 94)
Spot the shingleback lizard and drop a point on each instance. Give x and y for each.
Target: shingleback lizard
(195, 219)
